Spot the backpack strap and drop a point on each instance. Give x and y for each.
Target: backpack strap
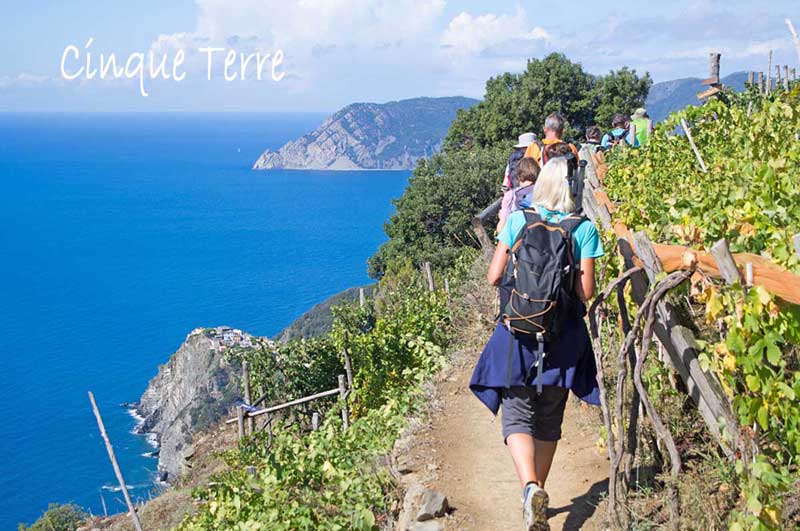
(571, 222)
(541, 160)
(531, 217)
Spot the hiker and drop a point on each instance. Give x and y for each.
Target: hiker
(519, 197)
(593, 136)
(620, 134)
(510, 178)
(553, 131)
(643, 125)
(529, 375)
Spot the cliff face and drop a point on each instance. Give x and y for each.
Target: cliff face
(389, 136)
(191, 392)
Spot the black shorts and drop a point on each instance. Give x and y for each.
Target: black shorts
(538, 415)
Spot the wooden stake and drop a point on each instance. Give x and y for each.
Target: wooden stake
(793, 74)
(247, 395)
(796, 241)
(117, 471)
(103, 501)
(240, 421)
(429, 274)
(447, 289)
(750, 78)
(348, 369)
(769, 73)
(315, 421)
(777, 77)
(786, 78)
(361, 298)
(694, 147)
(748, 274)
(761, 82)
(343, 397)
(727, 265)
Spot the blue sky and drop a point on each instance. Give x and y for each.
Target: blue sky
(340, 51)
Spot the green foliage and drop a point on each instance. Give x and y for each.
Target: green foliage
(66, 517)
(515, 103)
(318, 320)
(749, 196)
(619, 91)
(332, 479)
(432, 222)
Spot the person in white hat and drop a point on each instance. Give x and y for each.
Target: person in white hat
(643, 125)
(510, 179)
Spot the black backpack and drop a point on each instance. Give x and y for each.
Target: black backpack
(621, 138)
(513, 164)
(541, 278)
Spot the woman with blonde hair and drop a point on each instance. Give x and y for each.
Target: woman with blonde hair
(533, 404)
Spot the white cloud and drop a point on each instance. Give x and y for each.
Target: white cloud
(469, 35)
(22, 80)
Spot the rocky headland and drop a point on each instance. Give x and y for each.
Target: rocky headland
(190, 393)
(370, 136)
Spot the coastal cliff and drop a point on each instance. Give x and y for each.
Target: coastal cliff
(370, 136)
(191, 391)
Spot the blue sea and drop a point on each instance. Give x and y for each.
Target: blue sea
(119, 234)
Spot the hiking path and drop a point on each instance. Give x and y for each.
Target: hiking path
(460, 448)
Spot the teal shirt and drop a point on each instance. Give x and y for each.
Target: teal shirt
(585, 236)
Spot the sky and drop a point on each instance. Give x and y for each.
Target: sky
(337, 52)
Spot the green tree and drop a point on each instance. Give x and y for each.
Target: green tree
(65, 517)
(515, 103)
(619, 91)
(432, 221)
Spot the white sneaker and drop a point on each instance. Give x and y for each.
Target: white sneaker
(534, 508)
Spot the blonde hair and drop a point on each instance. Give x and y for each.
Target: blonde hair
(552, 189)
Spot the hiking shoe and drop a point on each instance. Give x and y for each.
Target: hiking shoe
(534, 508)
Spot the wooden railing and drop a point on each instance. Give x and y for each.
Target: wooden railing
(247, 412)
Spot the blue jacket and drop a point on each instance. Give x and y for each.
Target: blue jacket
(568, 362)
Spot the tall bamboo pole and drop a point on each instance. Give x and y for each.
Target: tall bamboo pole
(117, 471)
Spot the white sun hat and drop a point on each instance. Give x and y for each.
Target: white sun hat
(525, 140)
(640, 112)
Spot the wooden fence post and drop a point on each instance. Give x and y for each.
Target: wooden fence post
(793, 73)
(685, 127)
(348, 369)
(727, 265)
(240, 421)
(343, 397)
(679, 340)
(761, 83)
(247, 394)
(429, 274)
(748, 274)
(361, 298)
(750, 76)
(769, 73)
(315, 421)
(447, 290)
(786, 78)
(110, 449)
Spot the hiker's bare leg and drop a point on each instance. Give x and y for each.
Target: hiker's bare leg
(521, 448)
(544, 452)
(532, 457)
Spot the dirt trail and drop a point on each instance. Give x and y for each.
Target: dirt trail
(462, 450)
